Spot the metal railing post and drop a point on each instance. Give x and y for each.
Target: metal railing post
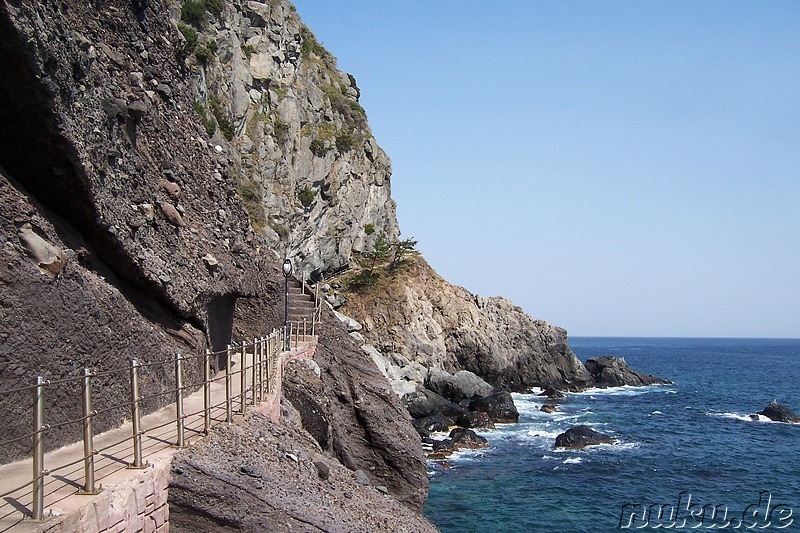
(268, 361)
(136, 415)
(254, 376)
(38, 449)
(88, 435)
(243, 380)
(179, 398)
(207, 391)
(228, 407)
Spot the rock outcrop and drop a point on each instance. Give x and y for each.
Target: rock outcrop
(777, 412)
(147, 189)
(298, 142)
(614, 372)
(418, 322)
(581, 436)
(264, 477)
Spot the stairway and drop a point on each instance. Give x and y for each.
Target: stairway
(301, 306)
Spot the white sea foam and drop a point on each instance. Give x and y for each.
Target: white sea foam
(625, 390)
(656, 413)
(744, 417)
(573, 461)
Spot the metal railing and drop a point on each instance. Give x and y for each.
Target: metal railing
(263, 354)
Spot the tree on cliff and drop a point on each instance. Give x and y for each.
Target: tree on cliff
(401, 250)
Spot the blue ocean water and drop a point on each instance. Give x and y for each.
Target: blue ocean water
(689, 442)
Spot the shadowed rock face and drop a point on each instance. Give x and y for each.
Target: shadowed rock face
(778, 412)
(123, 227)
(580, 437)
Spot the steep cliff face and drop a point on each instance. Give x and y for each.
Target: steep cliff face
(301, 145)
(128, 229)
(418, 322)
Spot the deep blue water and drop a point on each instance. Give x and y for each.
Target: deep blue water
(694, 437)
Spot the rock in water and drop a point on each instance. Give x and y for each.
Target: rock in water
(581, 436)
(466, 438)
(778, 412)
(614, 372)
(499, 406)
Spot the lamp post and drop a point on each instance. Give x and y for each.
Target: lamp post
(287, 271)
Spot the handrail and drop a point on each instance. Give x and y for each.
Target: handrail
(258, 361)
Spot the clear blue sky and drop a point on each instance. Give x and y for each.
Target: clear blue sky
(616, 168)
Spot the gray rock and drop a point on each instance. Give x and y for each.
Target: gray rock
(464, 384)
(251, 471)
(361, 478)
(350, 323)
(614, 372)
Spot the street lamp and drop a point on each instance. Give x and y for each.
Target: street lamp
(287, 271)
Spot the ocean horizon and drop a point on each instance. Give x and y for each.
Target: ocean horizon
(689, 450)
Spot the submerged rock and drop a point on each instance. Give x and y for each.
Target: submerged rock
(778, 412)
(580, 437)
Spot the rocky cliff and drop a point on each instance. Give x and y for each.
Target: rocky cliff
(301, 148)
(153, 170)
(415, 322)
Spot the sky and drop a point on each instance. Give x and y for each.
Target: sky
(616, 168)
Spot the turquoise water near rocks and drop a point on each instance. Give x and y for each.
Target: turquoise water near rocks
(682, 446)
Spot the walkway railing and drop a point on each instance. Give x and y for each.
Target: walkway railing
(258, 363)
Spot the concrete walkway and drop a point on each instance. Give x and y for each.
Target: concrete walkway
(62, 486)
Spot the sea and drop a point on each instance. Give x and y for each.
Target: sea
(687, 455)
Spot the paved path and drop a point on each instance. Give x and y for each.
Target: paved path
(111, 465)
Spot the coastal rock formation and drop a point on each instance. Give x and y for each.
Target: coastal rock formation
(260, 476)
(778, 412)
(580, 437)
(614, 372)
(153, 171)
(499, 406)
(417, 319)
(297, 139)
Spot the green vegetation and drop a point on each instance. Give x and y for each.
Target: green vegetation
(306, 196)
(203, 54)
(280, 128)
(190, 34)
(252, 125)
(319, 147)
(214, 7)
(344, 142)
(354, 115)
(248, 49)
(223, 121)
(369, 229)
(327, 132)
(374, 265)
(401, 250)
(250, 191)
(208, 122)
(195, 12)
(311, 46)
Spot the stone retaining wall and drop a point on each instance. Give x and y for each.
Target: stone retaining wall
(271, 405)
(138, 503)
